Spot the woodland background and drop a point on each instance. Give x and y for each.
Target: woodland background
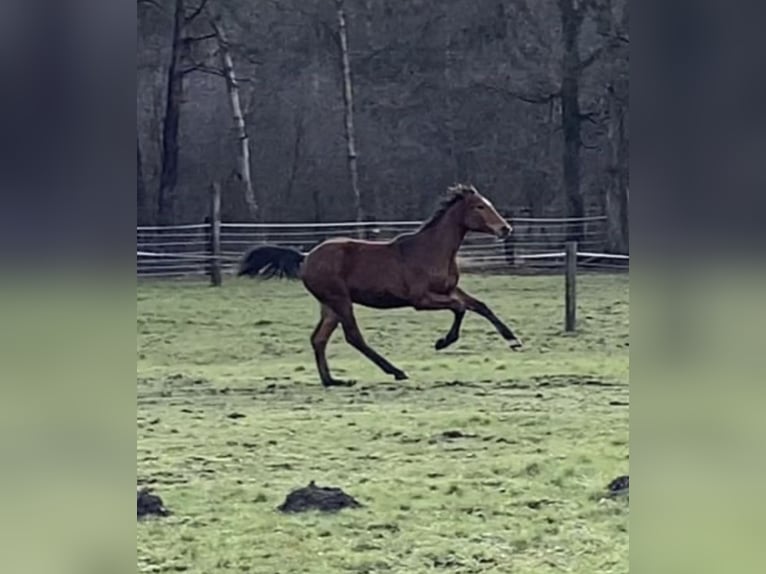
(526, 99)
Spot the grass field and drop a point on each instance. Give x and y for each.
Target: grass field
(544, 430)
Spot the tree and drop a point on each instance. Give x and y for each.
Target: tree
(180, 46)
(141, 199)
(573, 67)
(572, 13)
(232, 88)
(348, 102)
(412, 71)
(172, 120)
(617, 191)
(567, 94)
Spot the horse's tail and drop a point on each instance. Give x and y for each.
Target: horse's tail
(270, 260)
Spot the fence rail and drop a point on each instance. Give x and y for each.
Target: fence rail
(536, 244)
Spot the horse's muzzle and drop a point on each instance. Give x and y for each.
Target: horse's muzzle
(503, 232)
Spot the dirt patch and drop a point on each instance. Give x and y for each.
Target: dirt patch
(619, 486)
(538, 504)
(450, 435)
(455, 384)
(313, 497)
(573, 380)
(149, 504)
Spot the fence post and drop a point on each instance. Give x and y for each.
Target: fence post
(570, 294)
(215, 234)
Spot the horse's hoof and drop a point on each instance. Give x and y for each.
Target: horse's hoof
(515, 344)
(444, 342)
(400, 376)
(338, 383)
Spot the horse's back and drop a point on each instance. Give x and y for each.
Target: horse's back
(341, 249)
(349, 242)
(365, 271)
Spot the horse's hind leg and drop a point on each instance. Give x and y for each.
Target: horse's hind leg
(319, 339)
(354, 337)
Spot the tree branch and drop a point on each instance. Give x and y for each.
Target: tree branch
(397, 44)
(589, 146)
(333, 33)
(192, 39)
(190, 18)
(247, 56)
(299, 129)
(527, 98)
(279, 6)
(211, 71)
(608, 46)
(534, 22)
(591, 58)
(218, 33)
(203, 68)
(574, 10)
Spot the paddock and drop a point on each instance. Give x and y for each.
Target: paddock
(486, 460)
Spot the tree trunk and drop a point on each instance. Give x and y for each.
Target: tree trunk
(623, 162)
(348, 100)
(616, 201)
(317, 204)
(296, 160)
(571, 117)
(232, 87)
(449, 123)
(142, 212)
(171, 123)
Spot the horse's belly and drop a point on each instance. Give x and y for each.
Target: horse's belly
(378, 300)
(443, 285)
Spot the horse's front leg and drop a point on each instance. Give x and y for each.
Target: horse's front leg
(438, 301)
(454, 332)
(480, 308)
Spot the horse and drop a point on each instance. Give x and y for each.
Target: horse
(417, 270)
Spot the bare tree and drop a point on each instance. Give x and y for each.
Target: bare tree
(411, 95)
(617, 190)
(572, 67)
(180, 46)
(141, 198)
(232, 88)
(299, 128)
(172, 120)
(572, 13)
(449, 126)
(348, 101)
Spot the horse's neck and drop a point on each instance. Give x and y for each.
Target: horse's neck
(442, 240)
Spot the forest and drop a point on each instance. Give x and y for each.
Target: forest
(343, 110)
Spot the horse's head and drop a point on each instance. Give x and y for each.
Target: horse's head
(480, 215)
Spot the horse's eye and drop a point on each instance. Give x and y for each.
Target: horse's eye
(480, 206)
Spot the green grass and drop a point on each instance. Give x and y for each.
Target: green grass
(548, 429)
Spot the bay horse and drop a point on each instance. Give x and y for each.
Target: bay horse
(417, 269)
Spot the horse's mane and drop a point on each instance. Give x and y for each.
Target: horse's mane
(454, 194)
